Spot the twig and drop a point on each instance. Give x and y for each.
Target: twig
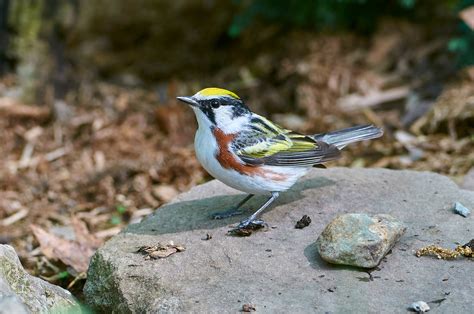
(142, 212)
(55, 154)
(25, 158)
(82, 275)
(10, 107)
(15, 217)
(355, 102)
(51, 156)
(107, 232)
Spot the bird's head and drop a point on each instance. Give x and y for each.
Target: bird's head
(217, 107)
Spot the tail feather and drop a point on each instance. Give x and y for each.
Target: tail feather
(343, 137)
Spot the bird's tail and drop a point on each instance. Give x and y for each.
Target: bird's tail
(343, 137)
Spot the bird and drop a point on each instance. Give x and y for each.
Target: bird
(248, 152)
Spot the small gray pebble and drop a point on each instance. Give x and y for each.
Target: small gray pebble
(461, 209)
(420, 307)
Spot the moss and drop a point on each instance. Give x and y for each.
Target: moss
(33, 291)
(16, 278)
(102, 291)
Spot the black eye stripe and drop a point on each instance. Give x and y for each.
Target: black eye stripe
(209, 113)
(208, 107)
(223, 101)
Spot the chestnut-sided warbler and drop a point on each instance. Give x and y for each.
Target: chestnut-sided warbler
(254, 155)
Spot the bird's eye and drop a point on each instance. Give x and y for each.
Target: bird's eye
(215, 104)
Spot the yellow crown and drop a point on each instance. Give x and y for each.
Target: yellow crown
(214, 91)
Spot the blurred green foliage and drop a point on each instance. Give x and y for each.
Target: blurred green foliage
(356, 15)
(121, 209)
(359, 15)
(463, 44)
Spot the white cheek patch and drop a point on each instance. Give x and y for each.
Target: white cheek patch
(226, 122)
(223, 115)
(202, 119)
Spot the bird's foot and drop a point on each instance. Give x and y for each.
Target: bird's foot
(252, 224)
(226, 214)
(246, 227)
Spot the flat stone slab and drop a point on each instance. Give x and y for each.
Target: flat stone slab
(279, 270)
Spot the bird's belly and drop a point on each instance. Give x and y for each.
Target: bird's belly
(269, 179)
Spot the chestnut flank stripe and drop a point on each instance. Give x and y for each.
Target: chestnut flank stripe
(229, 161)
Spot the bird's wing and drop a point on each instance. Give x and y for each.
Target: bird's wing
(269, 144)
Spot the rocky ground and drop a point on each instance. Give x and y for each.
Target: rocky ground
(279, 268)
(79, 169)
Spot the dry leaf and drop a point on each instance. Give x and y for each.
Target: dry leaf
(160, 250)
(83, 236)
(303, 222)
(71, 253)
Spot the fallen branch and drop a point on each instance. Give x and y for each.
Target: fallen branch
(10, 107)
(355, 102)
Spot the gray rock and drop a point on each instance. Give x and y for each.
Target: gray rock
(12, 304)
(279, 270)
(468, 180)
(22, 293)
(359, 239)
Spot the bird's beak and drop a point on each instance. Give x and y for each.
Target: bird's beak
(188, 100)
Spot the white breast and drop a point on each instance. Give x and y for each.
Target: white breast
(206, 148)
(206, 151)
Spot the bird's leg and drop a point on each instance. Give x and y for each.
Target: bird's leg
(234, 211)
(252, 221)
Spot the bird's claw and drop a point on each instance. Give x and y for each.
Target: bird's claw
(252, 224)
(247, 227)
